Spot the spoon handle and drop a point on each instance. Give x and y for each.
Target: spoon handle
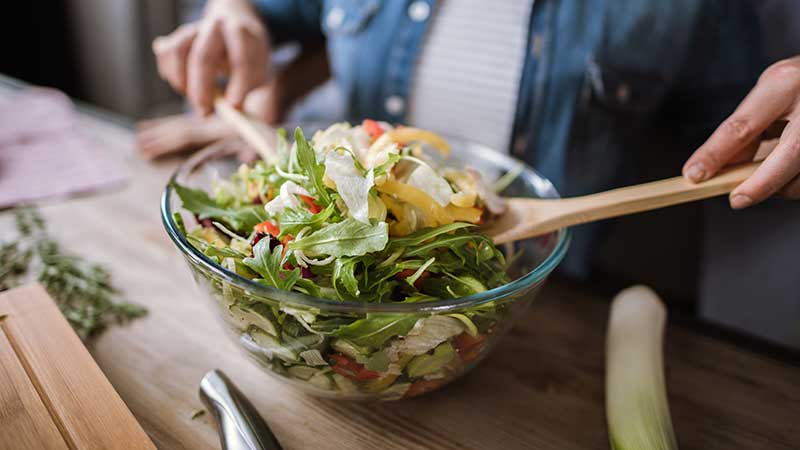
(259, 135)
(653, 195)
(240, 425)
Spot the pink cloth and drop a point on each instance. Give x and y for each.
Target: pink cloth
(44, 155)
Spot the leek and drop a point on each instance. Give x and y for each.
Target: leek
(636, 396)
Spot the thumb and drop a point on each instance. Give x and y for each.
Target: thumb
(264, 104)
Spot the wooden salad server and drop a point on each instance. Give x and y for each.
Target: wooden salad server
(256, 133)
(529, 217)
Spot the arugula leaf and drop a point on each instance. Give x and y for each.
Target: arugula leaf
(453, 286)
(451, 242)
(309, 287)
(383, 292)
(239, 219)
(415, 276)
(210, 250)
(346, 238)
(307, 160)
(292, 220)
(269, 264)
(426, 234)
(178, 218)
(344, 274)
(374, 330)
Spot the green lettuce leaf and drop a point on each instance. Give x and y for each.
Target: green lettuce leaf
(269, 265)
(346, 238)
(292, 220)
(374, 330)
(451, 241)
(427, 364)
(426, 234)
(344, 276)
(307, 160)
(241, 220)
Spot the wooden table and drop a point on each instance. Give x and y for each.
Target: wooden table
(541, 389)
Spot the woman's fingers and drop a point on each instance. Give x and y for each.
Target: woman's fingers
(205, 58)
(247, 53)
(769, 100)
(172, 52)
(779, 169)
(265, 104)
(175, 134)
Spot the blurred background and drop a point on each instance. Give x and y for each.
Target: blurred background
(99, 52)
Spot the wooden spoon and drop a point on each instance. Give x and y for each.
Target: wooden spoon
(256, 133)
(529, 217)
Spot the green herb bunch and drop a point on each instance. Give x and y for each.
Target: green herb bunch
(82, 290)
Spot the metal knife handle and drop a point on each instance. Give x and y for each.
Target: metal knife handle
(240, 425)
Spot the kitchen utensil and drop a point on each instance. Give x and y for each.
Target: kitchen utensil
(256, 133)
(52, 394)
(529, 217)
(240, 425)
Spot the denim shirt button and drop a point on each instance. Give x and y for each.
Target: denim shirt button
(335, 18)
(395, 105)
(419, 11)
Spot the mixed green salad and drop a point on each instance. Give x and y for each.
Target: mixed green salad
(356, 214)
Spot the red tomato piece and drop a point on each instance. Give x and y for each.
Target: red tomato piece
(405, 273)
(464, 341)
(312, 206)
(372, 128)
(268, 227)
(285, 243)
(348, 368)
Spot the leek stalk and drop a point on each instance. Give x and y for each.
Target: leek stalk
(636, 396)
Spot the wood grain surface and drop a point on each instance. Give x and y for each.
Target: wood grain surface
(542, 388)
(24, 420)
(63, 400)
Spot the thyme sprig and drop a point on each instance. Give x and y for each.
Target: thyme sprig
(82, 290)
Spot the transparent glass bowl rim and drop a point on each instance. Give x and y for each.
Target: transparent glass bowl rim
(323, 304)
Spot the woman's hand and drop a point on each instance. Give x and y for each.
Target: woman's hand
(775, 97)
(230, 39)
(268, 103)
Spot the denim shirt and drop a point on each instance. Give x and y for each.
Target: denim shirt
(597, 74)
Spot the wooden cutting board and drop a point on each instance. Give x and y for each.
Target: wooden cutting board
(52, 394)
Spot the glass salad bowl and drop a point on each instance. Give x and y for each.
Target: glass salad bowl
(361, 350)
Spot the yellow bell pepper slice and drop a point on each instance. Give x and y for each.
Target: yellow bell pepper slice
(401, 227)
(464, 214)
(409, 134)
(435, 214)
(409, 194)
